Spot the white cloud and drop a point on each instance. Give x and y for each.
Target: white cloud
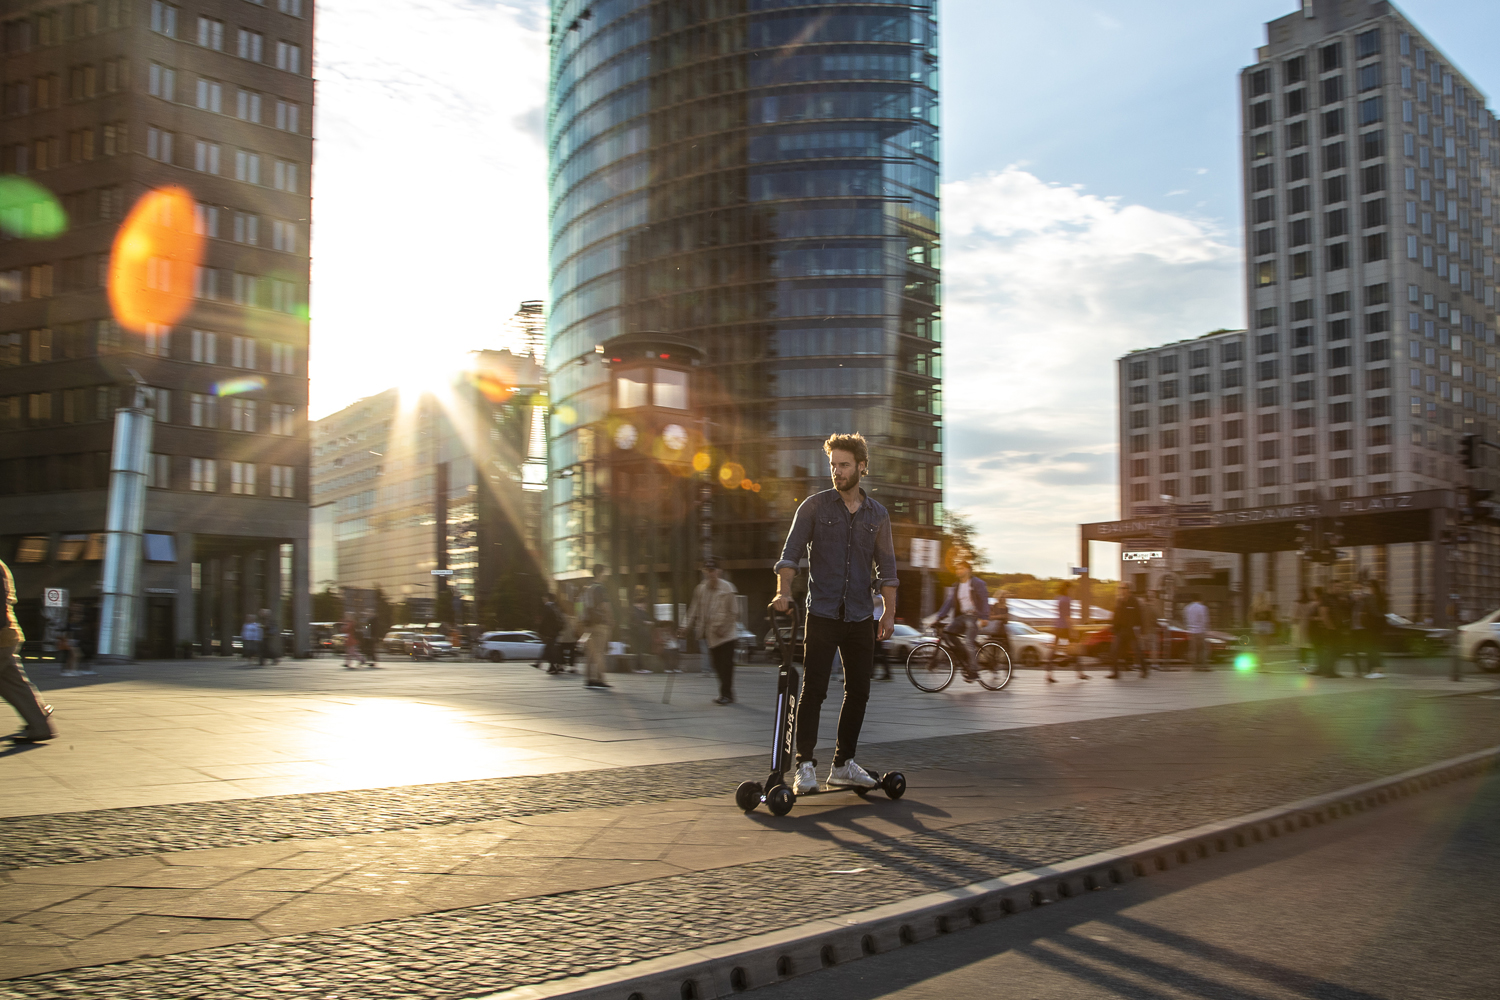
(429, 184)
(1044, 287)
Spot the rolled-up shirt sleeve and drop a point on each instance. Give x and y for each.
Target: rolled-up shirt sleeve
(885, 556)
(798, 538)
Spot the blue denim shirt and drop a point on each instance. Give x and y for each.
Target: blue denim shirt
(848, 558)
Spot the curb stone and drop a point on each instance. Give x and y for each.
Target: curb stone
(733, 967)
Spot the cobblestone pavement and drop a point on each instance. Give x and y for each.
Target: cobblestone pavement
(116, 833)
(480, 949)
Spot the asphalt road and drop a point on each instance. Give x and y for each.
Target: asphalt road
(1401, 904)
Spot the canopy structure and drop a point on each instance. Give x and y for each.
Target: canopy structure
(1388, 519)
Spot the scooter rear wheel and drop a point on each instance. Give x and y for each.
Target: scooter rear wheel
(894, 783)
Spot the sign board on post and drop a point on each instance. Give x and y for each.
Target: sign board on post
(1143, 555)
(926, 553)
(442, 572)
(55, 597)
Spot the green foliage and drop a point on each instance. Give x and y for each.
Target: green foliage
(328, 606)
(960, 535)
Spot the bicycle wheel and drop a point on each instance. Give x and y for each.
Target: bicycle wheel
(994, 666)
(929, 667)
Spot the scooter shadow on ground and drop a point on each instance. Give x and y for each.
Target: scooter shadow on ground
(904, 812)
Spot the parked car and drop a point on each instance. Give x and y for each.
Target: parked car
(795, 637)
(399, 641)
(745, 644)
(432, 646)
(1402, 635)
(1100, 644)
(500, 646)
(1028, 646)
(1479, 642)
(903, 637)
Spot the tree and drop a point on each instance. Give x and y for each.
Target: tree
(328, 606)
(960, 536)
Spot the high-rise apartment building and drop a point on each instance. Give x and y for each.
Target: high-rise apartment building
(759, 181)
(104, 101)
(1369, 187)
(443, 481)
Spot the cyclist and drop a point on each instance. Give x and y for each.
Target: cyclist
(967, 606)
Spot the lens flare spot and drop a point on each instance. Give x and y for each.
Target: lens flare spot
(701, 461)
(156, 254)
(493, 388)
(746, 484)
(238, 386)
(730, 474)
(29, 210)
(1244, 663)
(566, 415)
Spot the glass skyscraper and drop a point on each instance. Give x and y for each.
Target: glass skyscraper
(758, 178)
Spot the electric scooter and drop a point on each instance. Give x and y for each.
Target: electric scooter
(776, 793)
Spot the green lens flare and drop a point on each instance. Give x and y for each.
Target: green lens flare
(29, 210)
(1244, 663)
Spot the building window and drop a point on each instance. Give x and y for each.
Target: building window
(159, 472)
(283, 236)
(1201, 485)
(287, 115)
(282, 482)
(1338, 256)
(1270, 475)
(247, 106)
(211, 34)
(203, 475)
(1138, 492)
(210, 95)
(246, 228)
(206, 157)
(247, 167)
(1234, 482)
(285, 177)
(1168, 414)
(283, 419)
(242, 414)
(163, 18)
(203, 410)
(1371, 110)
(205, 347)
(161, 81)
(242, 478)
(292, 7)
(206, 220)
(289, 57)
(251, 45)
(1340, 468)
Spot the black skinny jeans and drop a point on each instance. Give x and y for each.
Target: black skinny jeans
(855, 641)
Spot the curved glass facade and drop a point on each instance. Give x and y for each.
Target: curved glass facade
(758, 178)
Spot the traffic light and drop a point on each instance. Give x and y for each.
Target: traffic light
(1468, 451)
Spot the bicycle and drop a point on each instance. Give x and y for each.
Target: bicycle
(931, 665)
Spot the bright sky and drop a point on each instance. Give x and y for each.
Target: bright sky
(1091, 205)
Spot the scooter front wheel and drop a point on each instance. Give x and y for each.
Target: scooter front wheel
(780, 800)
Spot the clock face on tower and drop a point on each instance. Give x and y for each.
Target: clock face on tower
(674, 437)
(625, 437)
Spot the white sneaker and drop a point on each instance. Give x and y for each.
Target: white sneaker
(86, 673)
(806, 780)
(70, 673)
(1374, 675)
(850, 775)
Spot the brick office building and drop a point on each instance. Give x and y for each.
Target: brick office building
(104, 101)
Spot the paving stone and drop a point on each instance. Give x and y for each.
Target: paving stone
(452, 954)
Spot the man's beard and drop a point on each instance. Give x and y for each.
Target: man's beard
(844, 485)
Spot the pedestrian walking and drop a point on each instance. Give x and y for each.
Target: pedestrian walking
(846, 538)
(351, 644)
(1375, 628)
(641, 630)
(1325, 634)
(567, 641)
(1151, 616)
(1063, 629)
(1302, 625)
(549, 629)
(15, 687)
(1000, 620)
(1126, 622)
(714, 616)
(1263, 626)
(599, 619)
(250, 645)
(70, 641)
(367, 639)
(1195, 617)
(269, 636)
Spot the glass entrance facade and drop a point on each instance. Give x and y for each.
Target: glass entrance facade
(760, 178)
